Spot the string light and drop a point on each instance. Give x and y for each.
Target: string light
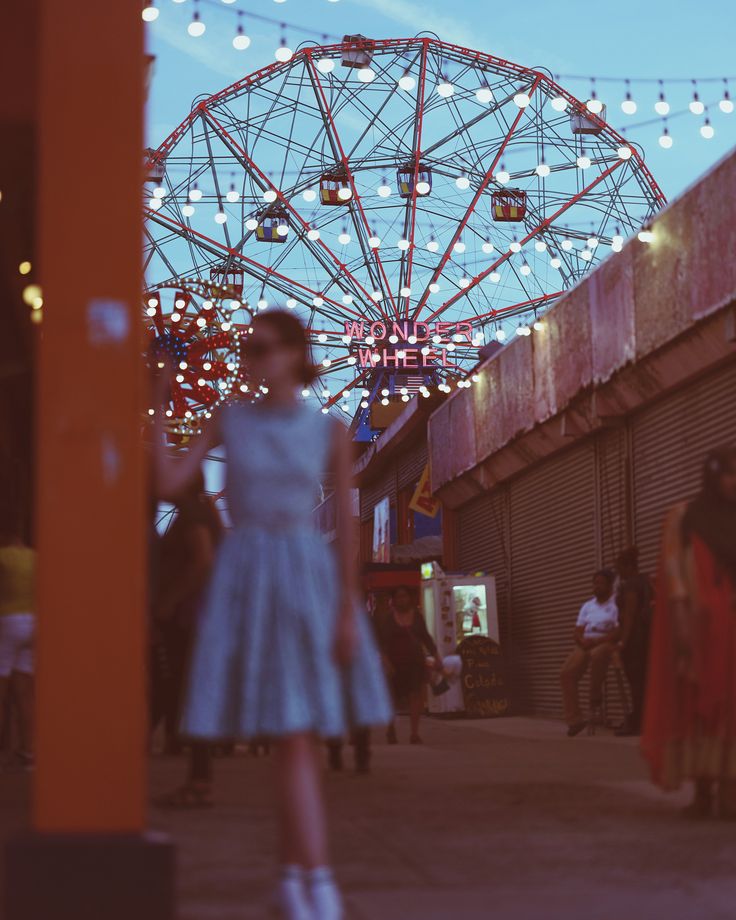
(522, 100)
(628, 106)
(366, 75)
(484, 94)
(196, 27)
(325, 65)
(502, 176)
(665, 141)
(661, 106)
(706, 130)
(149, 12)
(241, 40)
(445, 88)
(462, 182)
(384, 189)
(559, 104)
(726, 105)
(407, 82)
(696, 106)
(283, 53)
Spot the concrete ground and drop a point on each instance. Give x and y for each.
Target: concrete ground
(499, 818)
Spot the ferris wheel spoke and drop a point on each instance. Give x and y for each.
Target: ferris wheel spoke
(351, 385)
(548, 221)
(485, 182)
(371, 255)
(319, 249)
(262, 273)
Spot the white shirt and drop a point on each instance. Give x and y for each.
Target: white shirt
(598, 619)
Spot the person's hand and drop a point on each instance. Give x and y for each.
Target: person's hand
(346, 639)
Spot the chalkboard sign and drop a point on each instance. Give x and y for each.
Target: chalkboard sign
(485, 690)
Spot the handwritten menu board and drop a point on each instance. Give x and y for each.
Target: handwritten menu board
(484, 683)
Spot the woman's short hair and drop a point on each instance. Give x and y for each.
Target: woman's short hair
(291, 332)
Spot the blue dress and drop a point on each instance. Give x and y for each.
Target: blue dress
(262, 662)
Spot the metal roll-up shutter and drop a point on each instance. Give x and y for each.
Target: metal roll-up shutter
(482, 529)
(669, 442)
(410, 465)
(613, 494)
(372, 493)
(553, 556)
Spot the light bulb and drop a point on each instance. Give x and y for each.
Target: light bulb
(374, 242)
(282, 230)
(495, 277)
(283, 54)
(366, 75)
(406, 82)
(347, 298)
(487, 247)
(403, 245)
(484, 94)
(405, 291)
(321, 337)
(515, 246)
(423, 188)
(241, 41)
(445, 89)
(500, 335)
(462, 182)
(434, 287)
(543, 170)
(232, 196)
(149, 14)
(187, 210)
(151, 311)
(583, 162)
(707, 131)
(522, 100)
(555, 262)
(196, 27)
(433, 245)
(195, 194)
(696, 107)
(325, 65)
(586, 254)
(251, 223)
(344, 239)
(262, 303)
(159, 192)
(661, 106)
(313, 234)
(628, 106)
(594, 105)
(220, 217)
(270, 195)
(291, 303)
(617, 242)
(463, 282)
(540, 245)
(154, 203)
(726, 105)
(502, 177)
(525, 269)
(645, 236)
(592, 242)
(559, 104)
(384, 190)
(459, 246)
(625, 152)
(567, 245)
(376, 296)
(344, 194)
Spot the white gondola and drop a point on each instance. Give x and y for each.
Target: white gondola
(359, 51)
(582, 121)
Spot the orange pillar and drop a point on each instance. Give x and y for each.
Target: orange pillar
(89, 805)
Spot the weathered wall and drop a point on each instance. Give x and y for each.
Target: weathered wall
(644, 321)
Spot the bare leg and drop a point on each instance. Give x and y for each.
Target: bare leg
(23, 689)
(416, 706)
(301, 806)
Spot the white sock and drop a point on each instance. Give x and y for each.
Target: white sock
(324, 894)
(291, 894)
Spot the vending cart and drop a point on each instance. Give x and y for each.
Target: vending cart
(456, 607)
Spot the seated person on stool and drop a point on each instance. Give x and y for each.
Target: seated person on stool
(596, 632)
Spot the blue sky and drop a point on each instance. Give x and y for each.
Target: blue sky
(629, 38)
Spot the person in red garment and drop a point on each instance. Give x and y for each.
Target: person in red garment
(690, 714)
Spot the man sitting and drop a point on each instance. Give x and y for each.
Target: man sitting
(596, 631)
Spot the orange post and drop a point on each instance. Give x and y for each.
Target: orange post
(91, 719)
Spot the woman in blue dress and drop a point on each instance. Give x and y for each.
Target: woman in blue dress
(283, 647)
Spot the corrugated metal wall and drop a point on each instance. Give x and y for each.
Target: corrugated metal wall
(574, 512)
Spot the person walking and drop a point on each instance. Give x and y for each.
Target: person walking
(690, 710)
(405, 644)
(596, 631)
(186, 555)
(634, 597)
(283, 649)
(17, 630)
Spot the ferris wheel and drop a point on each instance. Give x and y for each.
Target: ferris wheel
(411, 200)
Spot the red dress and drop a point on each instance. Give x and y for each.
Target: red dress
(690, 713)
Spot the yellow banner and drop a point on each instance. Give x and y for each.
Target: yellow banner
(422, 500)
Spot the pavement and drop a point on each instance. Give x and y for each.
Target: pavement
(501, 818)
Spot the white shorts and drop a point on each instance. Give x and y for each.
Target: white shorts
(16, 643)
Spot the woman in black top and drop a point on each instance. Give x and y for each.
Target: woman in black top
(405, 643)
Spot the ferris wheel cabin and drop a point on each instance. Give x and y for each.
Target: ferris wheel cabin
(508, 205)
(155, 167)
(229, 280)
(334, 189)
(582, 123)
(273, 226)
(405, 180)
(359, 51)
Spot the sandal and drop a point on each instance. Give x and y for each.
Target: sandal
(188, 796)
